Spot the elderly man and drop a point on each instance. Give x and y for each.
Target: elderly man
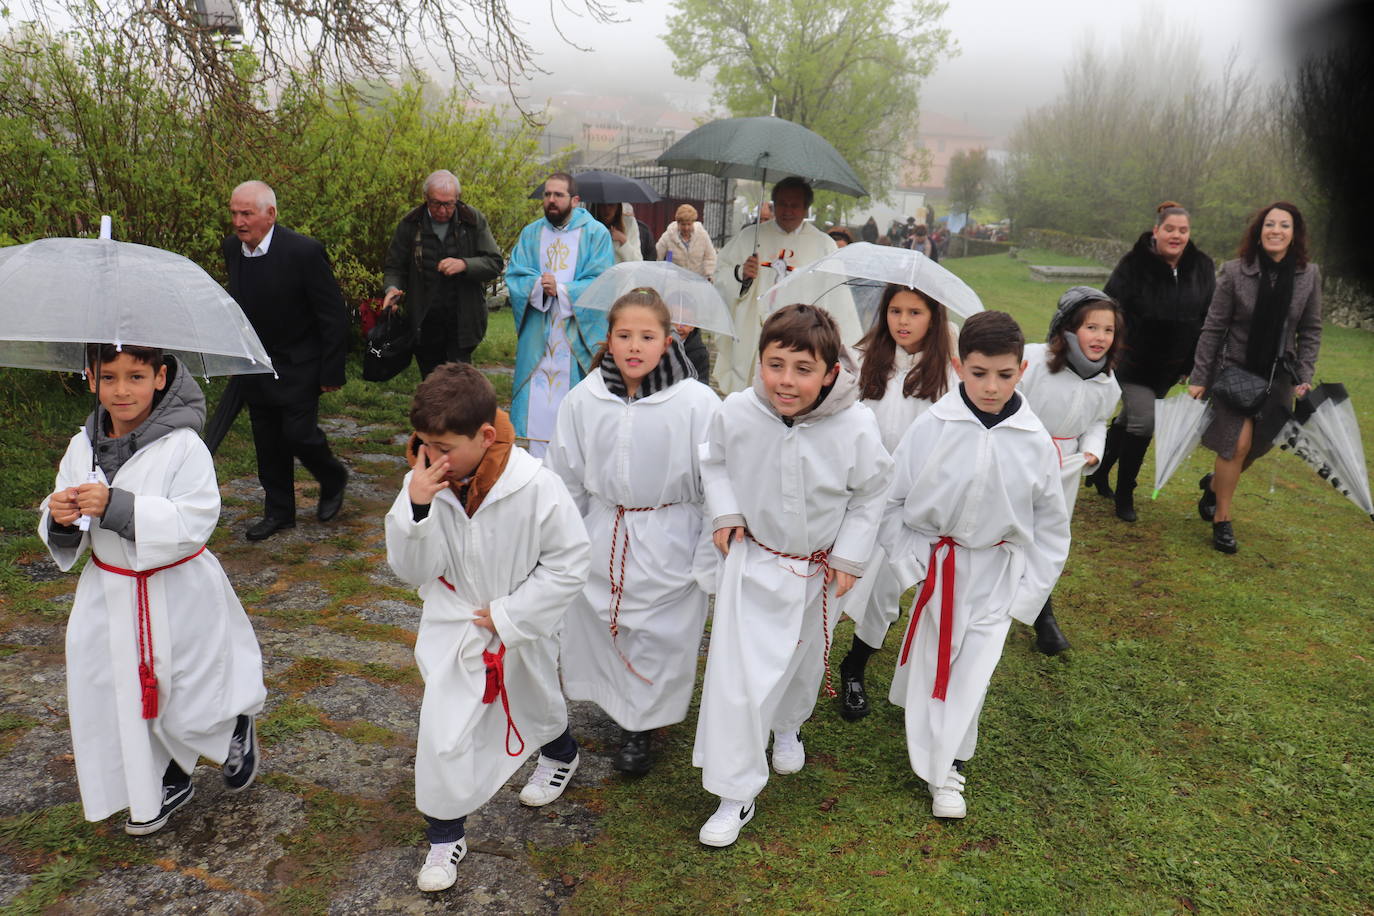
(440, 256)
(284, 284)
(760, 257)
(553, 261)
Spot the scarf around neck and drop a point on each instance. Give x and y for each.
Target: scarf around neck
(1078, 361)
(674, 367)
(1263, 347)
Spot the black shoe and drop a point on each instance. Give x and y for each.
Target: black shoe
(1207, 502)
(268, 527)
(1223, 538)
(174, 795)
(331, 502)
(634, 758)
(853, 698)
(1125, 505)
(1049, 639)
(242, 763)
(1098, 480)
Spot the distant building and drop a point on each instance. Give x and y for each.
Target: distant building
(941, 137)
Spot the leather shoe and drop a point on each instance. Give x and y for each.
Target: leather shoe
(1207, 502)
(1125, 505)
(268, 527)
(634, 758)
(1098, 481)
(331, 503)
(1049, 639)
(1224, 538)
(853, 697)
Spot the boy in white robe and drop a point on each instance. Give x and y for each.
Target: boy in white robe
(796, 477)
(497, 550)
(162, 663)
(977, 517)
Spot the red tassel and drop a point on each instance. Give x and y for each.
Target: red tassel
(494, 671)
(148, 680)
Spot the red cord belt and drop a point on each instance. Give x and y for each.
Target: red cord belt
(495, 663)
(147, 674)
(821, 560)
(946, 625)
(621, 545)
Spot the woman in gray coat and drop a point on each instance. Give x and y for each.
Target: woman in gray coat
(1266, 317)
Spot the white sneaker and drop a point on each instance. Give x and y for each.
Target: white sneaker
(949, 798)
(548, 781)
(441, 865)
(723, 827)
(789, 756)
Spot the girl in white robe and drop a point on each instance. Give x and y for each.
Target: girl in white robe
(904, 368)
(801, 493)
(626, 446)
(163, 508)
(977, 517)
(1071, 387)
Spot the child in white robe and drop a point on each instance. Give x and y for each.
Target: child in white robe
(626, 445)
(796, 477)
(162, 663)
(904, 368)
(1071, 387)
(977, 517)
(497, 550)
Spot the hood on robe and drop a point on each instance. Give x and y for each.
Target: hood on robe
(179, 405)
(842, 393)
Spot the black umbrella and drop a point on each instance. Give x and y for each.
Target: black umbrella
(608, 188)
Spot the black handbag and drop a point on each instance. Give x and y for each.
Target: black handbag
(388, 347)
(1241, 390)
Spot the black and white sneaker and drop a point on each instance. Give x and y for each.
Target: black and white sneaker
(723, 827)
(242, 763)
(548, 781)
(173, 797)
(440, 870)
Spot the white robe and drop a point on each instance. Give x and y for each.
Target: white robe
(784, 252)
(1074, 410)
(874, 603)
(820, 484)
(636, 455)
(207, 661)
(996, 492)
(523, 553)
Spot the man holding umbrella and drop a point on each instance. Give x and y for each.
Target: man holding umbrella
(284, 284)
(756, 259)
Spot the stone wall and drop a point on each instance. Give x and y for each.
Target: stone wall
(1344, 303)
(963, 247)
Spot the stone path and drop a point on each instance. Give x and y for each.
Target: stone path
(330, 824)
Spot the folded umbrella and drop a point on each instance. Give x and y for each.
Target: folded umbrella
(1323, 432)
(1179, 422)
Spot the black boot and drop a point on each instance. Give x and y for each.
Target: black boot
(853, 697)
(1207, 502)
(1099, 478)
(1130, 458)
(1224, 538)
(1049, 639)
(634, 758)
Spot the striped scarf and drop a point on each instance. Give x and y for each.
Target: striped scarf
(674, 367)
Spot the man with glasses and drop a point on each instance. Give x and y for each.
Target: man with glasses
(440, 256)
(555, 258)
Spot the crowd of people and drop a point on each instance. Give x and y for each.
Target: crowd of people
(843, 466)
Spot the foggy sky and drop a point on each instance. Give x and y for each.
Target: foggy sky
(1012, 56)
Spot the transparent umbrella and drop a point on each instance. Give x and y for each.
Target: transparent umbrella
(1323, 432)
(691, 298)
(865, 270)
(1179, 422)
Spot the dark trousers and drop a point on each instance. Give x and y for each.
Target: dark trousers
(428, 356)
(437, 342)
(282, 434)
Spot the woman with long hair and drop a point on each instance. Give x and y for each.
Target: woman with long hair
(1265, 319)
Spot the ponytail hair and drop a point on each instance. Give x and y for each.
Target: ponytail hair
(929, 378)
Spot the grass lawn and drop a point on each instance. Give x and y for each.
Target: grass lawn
(1204, 746)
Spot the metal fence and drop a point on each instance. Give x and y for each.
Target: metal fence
(713, 197)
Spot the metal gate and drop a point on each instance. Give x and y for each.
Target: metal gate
(713, 197)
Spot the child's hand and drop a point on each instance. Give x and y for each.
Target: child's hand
(482, 618)
(92, 498)
(63, 508)
(723, 536)
(843, 581)
(1089, 459)
(427, 481)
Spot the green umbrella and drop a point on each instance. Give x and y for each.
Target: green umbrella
(765, 149)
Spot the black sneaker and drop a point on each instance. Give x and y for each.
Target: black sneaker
(173, 797)
(242, 763)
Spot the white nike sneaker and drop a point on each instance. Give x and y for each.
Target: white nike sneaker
(723, 827)
(789, 756)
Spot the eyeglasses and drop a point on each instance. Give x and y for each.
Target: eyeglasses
(442, 204)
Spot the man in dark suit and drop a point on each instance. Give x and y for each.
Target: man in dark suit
(284, 284)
